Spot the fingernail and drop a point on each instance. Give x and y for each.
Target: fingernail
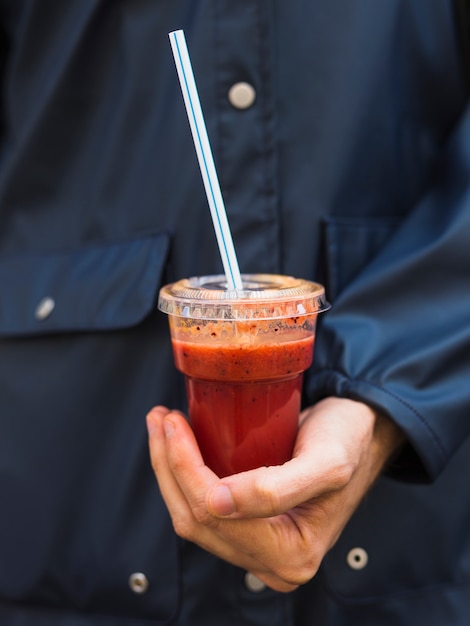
(221, 502)
(168, 427)
(151, 428)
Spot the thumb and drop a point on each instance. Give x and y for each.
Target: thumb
(329, 446)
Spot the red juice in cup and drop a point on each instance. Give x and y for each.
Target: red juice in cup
(246, 398)
(243, 354)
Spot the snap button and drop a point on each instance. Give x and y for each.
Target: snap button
(138, 582)
(44, 308)
(241, 95)
(357, 558)
(253, 583)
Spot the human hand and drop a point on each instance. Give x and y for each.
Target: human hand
(276, 522)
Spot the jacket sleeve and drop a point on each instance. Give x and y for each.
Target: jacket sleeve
(398, 336)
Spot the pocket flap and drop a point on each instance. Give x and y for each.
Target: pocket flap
(96, 287)
(350, 243)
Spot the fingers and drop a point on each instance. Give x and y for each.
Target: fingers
(189, 515)
(176, 502)
(186, 463)
(183, 461)
(280, 550)
(277, 522)
(177, 461)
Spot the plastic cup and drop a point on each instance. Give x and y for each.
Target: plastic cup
(243, 355)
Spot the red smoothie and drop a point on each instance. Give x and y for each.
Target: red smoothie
(243, 353)
(244, 399)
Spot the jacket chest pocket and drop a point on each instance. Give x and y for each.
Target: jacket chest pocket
(82, 349)
(94, 288)
(349, 244)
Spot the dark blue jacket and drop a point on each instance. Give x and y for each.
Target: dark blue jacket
(352, 167)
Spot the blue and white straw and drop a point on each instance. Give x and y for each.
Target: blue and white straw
(206, 161)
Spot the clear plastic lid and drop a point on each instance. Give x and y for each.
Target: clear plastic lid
(264, 296)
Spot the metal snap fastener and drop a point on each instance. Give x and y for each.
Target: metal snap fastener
(242, 95)
(138, 582)
(357, 558)
(44, 308)
(253, 583)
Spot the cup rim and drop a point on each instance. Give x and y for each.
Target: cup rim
(264, 296)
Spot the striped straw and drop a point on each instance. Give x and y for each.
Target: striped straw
(206, 161)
